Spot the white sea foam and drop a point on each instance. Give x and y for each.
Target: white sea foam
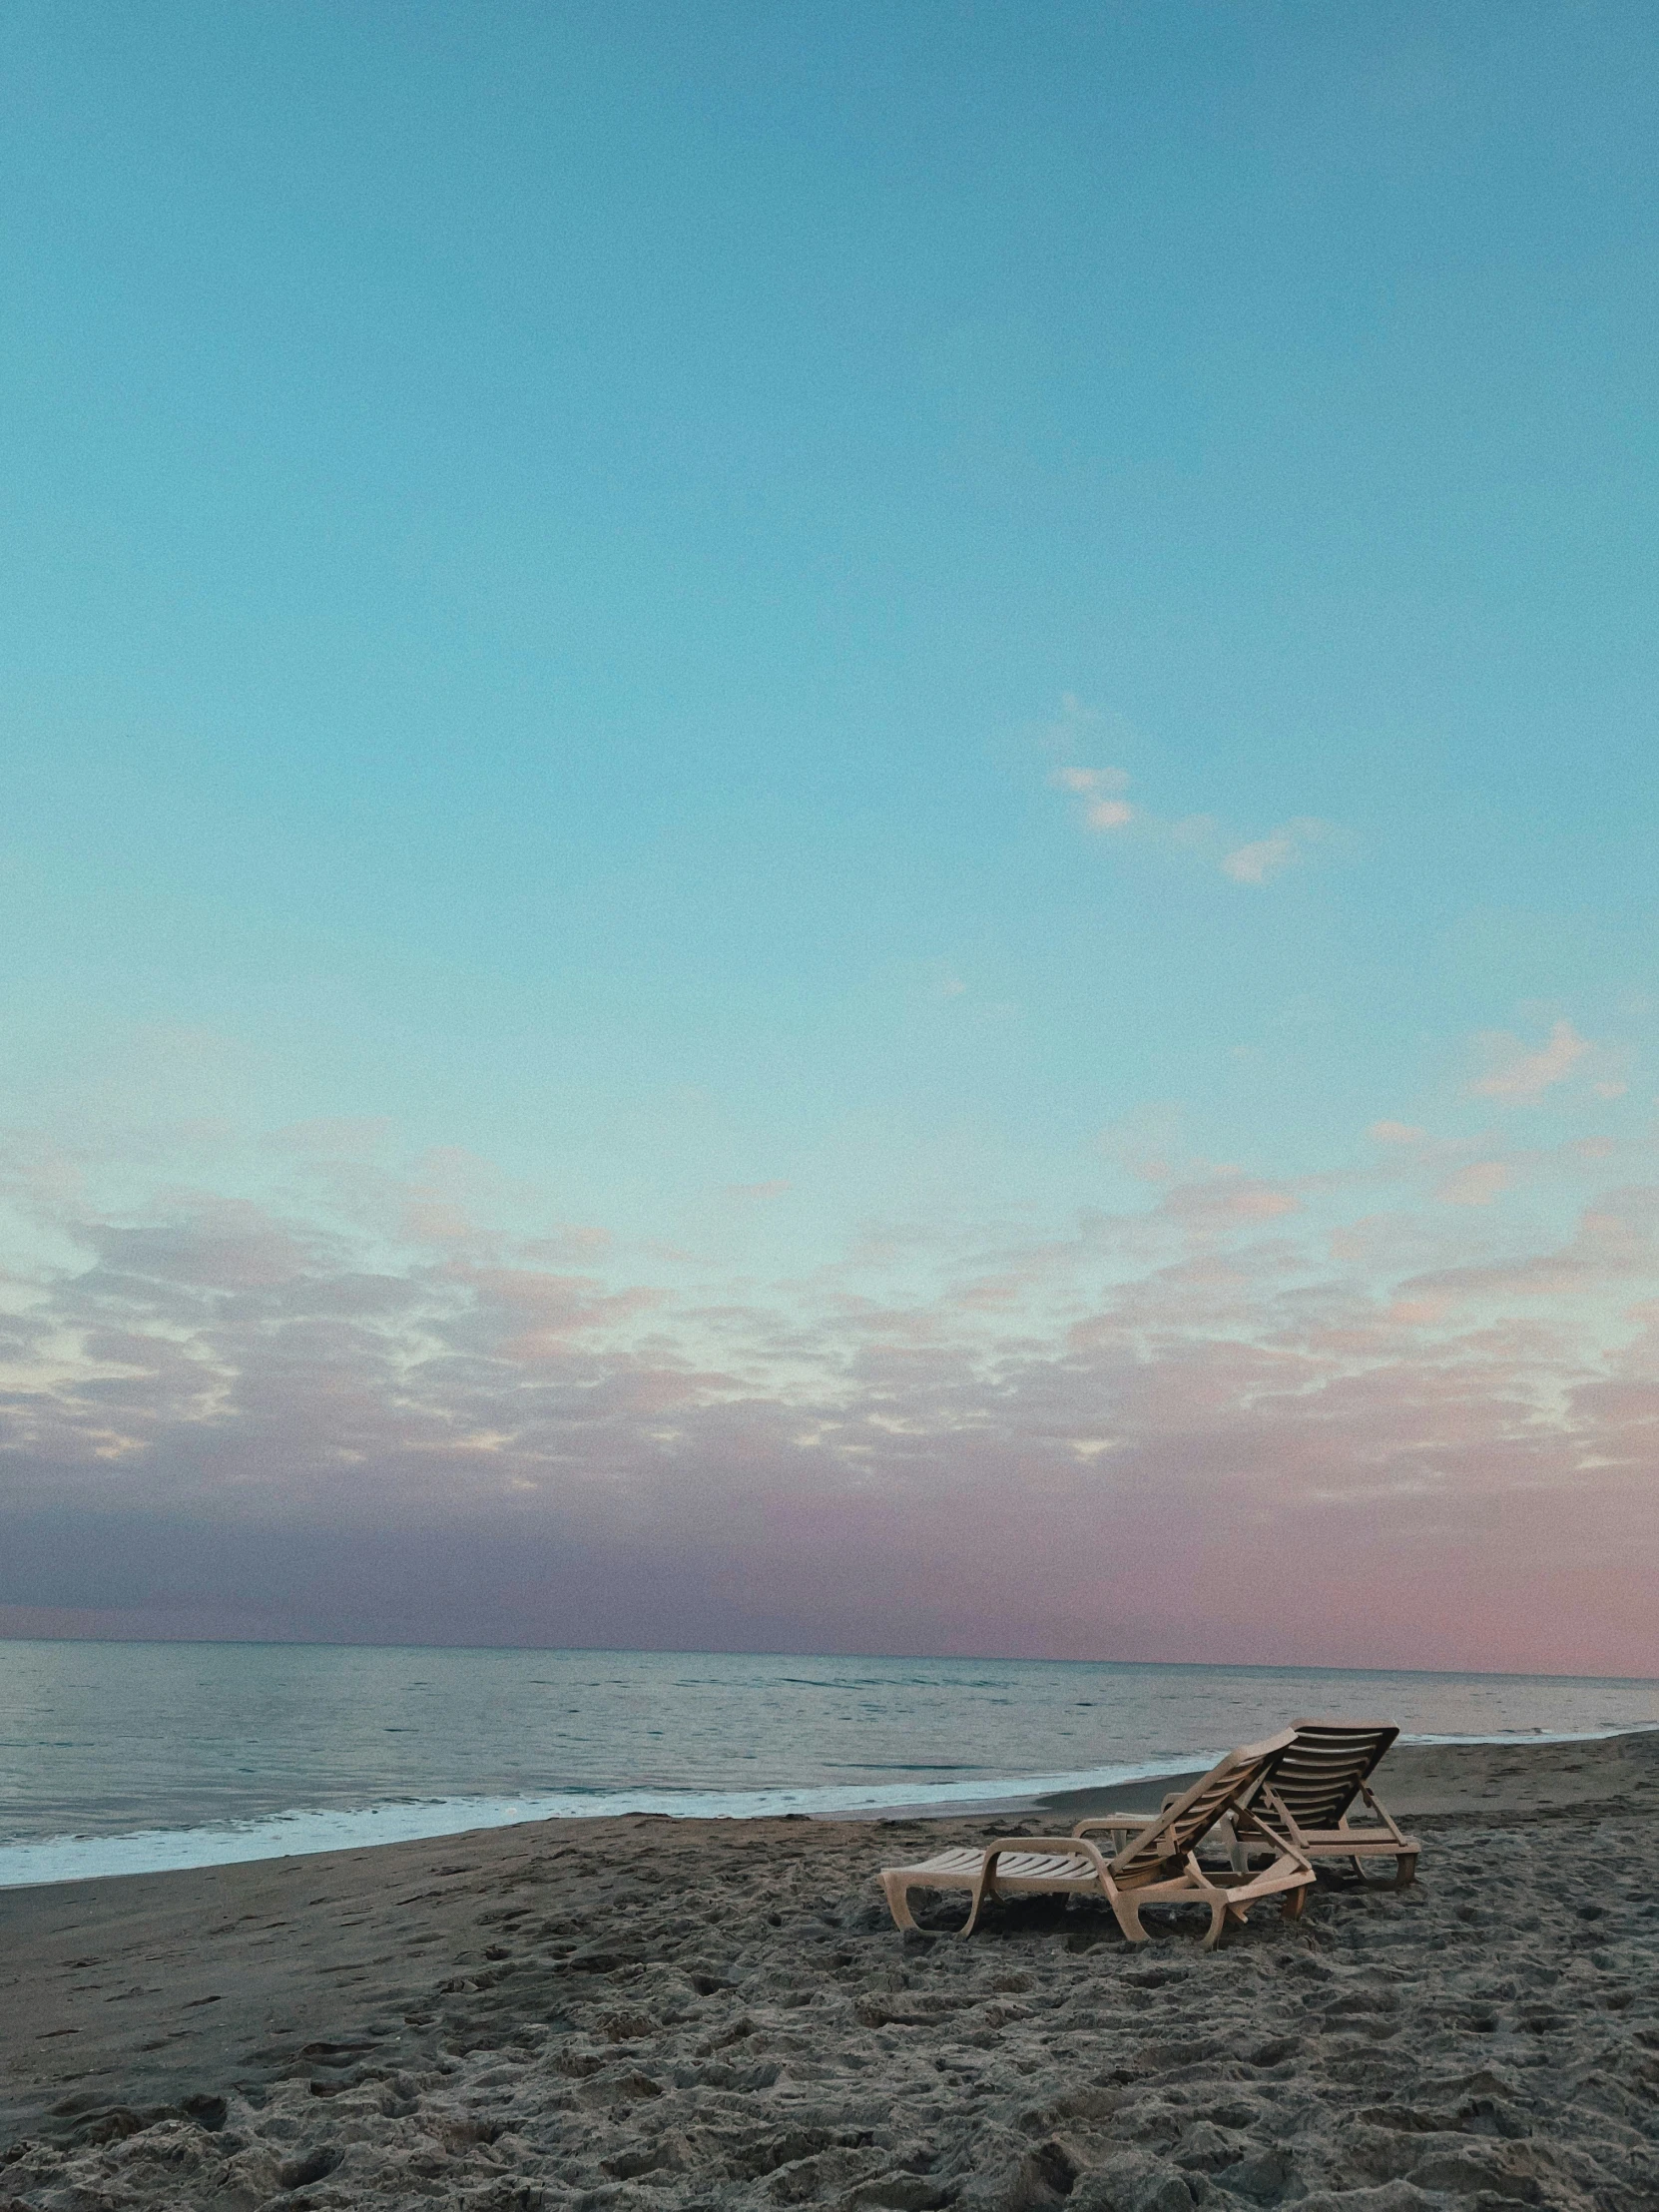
(140, 1758)
(297, 1834)
(300, 1832)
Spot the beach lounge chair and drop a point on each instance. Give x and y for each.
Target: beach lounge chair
(1155, 1864)
(1307, 1799)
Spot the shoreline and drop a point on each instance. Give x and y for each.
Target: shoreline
(313, 1831)
(572, 2006)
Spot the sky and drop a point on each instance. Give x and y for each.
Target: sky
(833, 830)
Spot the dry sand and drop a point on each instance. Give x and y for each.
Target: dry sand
(652, 2014)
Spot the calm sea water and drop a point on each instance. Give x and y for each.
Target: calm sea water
(129, 1757)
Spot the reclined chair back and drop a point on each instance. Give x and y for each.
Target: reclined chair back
(1185, 1822)
(1325, 1769)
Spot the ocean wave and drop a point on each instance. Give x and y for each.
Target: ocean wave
(304, 1830)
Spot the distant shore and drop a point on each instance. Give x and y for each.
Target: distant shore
(683, 2011)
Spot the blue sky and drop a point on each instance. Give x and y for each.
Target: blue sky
(765, 637)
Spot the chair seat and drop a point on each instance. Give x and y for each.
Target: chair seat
(958, 1861)
(960, 1869)
(1353, 1841)
(1157, 1864)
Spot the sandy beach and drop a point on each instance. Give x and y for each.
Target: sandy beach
(657, 2013)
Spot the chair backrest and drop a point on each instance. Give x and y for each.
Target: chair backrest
(1183, 1825)
(1320, 1775)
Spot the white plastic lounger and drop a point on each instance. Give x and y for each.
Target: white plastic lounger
(1307, 1800)
(1157, 1864)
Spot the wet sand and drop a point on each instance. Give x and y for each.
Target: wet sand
(647, 2012)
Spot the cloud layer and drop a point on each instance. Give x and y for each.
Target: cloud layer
(1325, 1420)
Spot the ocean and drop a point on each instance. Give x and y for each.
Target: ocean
(130, 1758)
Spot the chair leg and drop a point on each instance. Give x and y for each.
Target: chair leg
(981, 1890)
(1405, 1869)
(1220, 1913)
(1294, 1900)
(1128, 1919)
(898, 1893)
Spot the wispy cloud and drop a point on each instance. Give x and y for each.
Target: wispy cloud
(1271, 855)
(1104, 808)
(1477, 1185)
(1396, 1132)
(1520, 1077)
(1098, 787)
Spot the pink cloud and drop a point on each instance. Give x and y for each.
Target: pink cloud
(1477, 1185)
(431, 1220)
(1520, 1077)
(1231, 1198)
(570, 1240)
(1251, 1422)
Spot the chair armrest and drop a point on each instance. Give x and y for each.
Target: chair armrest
(1072, 1846)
